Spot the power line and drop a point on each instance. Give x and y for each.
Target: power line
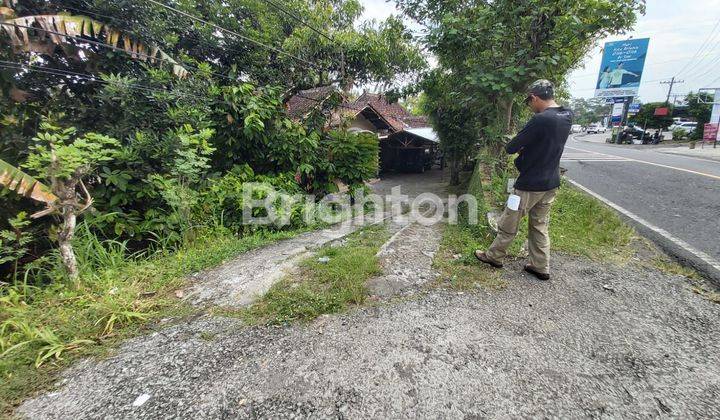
(243, 37)
(91, 78)
(594, 74)
(303, 22)
(701, 48)
(195, 35)
(314, 29)
(714, 81)
(83, 76)
(702, 69)
(89, 41)
(672, 82)
(201, 40)
(641, 83)
(114, 48)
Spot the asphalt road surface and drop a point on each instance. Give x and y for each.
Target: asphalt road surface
(674, 200)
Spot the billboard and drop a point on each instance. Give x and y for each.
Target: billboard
(621, 68)
(634, 108)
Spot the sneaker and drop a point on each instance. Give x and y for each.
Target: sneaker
(485, 259)
(532, 270)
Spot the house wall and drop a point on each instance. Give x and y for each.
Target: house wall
(362, 123)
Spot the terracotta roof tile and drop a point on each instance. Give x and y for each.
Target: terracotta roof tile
(417, 121)
(306, 101)
(381, 104)
(397, 117)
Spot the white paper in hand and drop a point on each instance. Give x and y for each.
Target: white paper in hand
(513, 202)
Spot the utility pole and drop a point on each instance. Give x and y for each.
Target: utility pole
(672, 82)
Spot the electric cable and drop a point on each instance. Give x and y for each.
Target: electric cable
(243, 37)
(112, 47)
(710, 36)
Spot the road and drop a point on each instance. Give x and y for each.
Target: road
(672, 199)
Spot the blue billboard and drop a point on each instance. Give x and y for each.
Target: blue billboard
(621, 68)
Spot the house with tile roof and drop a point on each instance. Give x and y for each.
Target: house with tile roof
(407, 142)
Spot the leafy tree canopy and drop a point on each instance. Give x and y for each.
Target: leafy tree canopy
(588, 111)
(489, 51)
(647, 116)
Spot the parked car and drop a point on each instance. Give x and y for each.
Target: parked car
(686, 126)
(596, 129)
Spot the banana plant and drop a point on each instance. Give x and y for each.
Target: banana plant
(55, 26)
(25, 185)
(64, 159)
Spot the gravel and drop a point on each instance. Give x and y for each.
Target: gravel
(596, 341)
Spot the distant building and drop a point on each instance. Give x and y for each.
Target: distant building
(407, 142)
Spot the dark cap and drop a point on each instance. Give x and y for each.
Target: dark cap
(542, 88)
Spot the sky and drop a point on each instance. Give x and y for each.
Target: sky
(684, 42)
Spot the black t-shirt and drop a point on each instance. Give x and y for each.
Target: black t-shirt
(540, 145)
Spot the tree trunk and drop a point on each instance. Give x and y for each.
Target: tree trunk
(455, 171)
(505, 108)
(65, 242)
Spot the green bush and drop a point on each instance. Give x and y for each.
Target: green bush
(679, 134)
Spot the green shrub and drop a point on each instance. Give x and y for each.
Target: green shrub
(679, 134)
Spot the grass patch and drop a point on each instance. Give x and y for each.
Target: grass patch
(458, 266)
(710, 295)
(323, 288)
(43, 329)
(579, 225)
(671, 267)
(454, 260)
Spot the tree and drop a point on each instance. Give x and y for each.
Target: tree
(63, 162)
(699, 108)
(416, 104)
(455, 118)
(494, 49)
(588, 111)
(647, 115)
(232, 93)
(51, 29)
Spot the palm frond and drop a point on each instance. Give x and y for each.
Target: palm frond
(25, 185)
(82, 26)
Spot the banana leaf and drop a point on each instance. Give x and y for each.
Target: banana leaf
(25, 185)
(77, 26)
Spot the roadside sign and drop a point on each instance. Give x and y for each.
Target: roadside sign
(715, 116)
(617, 112)
(621, 68)
(661, 112)
(634, 108)
(710, 133)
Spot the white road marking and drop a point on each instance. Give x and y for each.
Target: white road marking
(589, 157)
(707, 259)
(644, 161)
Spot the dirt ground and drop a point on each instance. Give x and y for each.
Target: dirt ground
(598, 340)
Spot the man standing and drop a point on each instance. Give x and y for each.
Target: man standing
(539, 146)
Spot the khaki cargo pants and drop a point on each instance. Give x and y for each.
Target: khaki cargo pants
(536, 205)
